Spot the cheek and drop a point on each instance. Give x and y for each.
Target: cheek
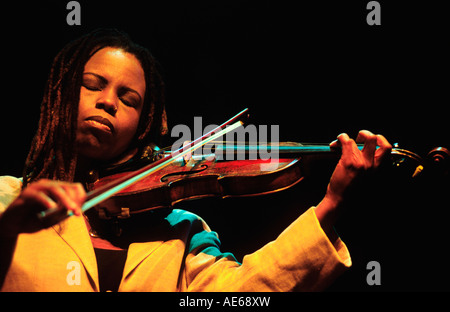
(83, 105)
(127, 126)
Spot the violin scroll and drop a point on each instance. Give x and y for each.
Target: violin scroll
(438, 158)
(435, 164)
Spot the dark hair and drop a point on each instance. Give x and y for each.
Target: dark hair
(52, 154)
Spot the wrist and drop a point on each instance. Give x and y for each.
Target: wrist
(326, 212)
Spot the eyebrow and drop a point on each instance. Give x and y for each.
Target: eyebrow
(105, 81)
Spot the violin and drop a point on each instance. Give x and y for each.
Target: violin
(178, 176)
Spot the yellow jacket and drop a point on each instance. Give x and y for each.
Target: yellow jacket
(185, 258)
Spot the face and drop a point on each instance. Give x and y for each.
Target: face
(111, 100)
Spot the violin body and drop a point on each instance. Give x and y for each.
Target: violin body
(198, 179)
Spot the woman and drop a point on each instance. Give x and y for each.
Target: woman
(102, 110)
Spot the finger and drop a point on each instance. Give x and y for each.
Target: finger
(363, 135)
(39, 199)
(48, 192)
(383, 151)
(370, 145)
(80, 193)
(79, 196)
(62, 196)
(43, 205)
(71, 194)
(344, 140)
(335, 144)
(65, 195)
(349, 147)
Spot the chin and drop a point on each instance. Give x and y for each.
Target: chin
(92, 148)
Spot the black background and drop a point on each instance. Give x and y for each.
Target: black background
(315, 68)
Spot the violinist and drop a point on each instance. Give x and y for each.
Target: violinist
(102, 111)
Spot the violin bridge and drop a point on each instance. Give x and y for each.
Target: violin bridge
(124, 213)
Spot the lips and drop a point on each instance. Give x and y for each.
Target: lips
(102, 121)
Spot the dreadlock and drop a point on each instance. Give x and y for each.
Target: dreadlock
(53, 153)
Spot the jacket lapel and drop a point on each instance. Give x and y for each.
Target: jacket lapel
(74, 232)
(137, 253)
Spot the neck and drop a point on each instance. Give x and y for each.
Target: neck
(86, 165)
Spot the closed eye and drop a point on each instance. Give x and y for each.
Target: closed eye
(93, 82)
(129, 97)
(91, 88)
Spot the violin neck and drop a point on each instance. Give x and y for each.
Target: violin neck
(281, 148)
(296, 149)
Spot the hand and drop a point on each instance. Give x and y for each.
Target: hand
(21, 216)
(352, 164)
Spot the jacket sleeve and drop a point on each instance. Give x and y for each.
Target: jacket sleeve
(10, 188)
(300, 259)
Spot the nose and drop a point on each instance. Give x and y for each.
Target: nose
(108, 101)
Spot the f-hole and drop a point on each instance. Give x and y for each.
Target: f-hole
(164, 178)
